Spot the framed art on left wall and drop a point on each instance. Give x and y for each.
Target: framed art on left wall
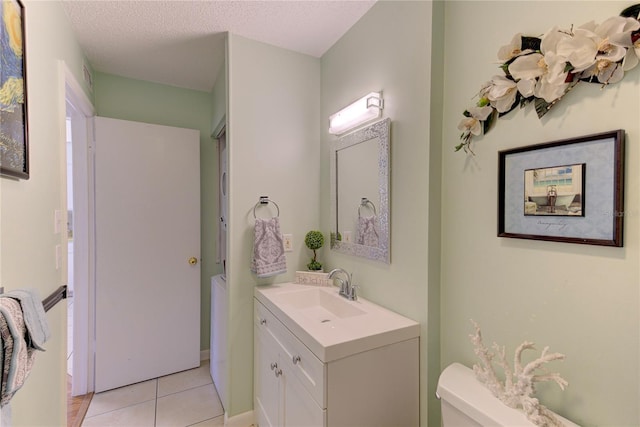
(14, 141)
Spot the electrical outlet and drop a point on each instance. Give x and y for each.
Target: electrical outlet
(58, 256)
(57, 221)
(287, 239)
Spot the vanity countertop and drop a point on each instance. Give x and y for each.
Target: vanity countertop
(331, 326)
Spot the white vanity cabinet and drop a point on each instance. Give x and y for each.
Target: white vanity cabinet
(281, 365)
(293, 387)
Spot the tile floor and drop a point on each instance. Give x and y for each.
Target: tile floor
(183, 399)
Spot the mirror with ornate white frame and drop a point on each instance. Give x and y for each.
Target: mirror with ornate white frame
(360, 193)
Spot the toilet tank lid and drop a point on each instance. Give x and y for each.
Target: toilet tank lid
(459, 387)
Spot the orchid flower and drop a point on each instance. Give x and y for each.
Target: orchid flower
(513, 49)
(544, 71)
(501, 92)
(630, 39)
(606, 71)
(632, 58)
(472, 124)
(595, 50)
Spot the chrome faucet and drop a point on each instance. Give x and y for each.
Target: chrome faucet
(347, 288)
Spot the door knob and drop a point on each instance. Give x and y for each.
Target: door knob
(193, 260)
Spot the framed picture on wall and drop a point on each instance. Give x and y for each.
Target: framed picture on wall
(14, 144)
(570, 190)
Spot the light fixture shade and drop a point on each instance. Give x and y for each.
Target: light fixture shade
(367, 108)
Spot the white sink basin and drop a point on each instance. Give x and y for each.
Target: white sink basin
(331, 326)
(320, 305)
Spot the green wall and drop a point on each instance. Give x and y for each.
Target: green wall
(580, 300)
(274, 146)
(389, 49)
(27, 238)
(141, 101)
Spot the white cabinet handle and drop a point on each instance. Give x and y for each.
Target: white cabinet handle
(295, 359)
(278, 372)
(263, 321)
(274, 366)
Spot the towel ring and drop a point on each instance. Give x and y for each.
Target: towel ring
(264, 200)
(365, 202)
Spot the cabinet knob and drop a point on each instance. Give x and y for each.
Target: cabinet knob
(263, 321)
(274, 366)
(278, 372)
(295, 359)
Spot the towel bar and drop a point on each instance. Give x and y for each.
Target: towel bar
(54, 298)
(264, 200)
(365, 202)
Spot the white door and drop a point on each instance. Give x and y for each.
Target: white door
(147, 195)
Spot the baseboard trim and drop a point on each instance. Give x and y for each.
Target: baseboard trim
(204, 355)
(241, 420)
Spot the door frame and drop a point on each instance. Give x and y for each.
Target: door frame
(84, 231)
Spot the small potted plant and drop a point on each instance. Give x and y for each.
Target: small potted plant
(314, 240)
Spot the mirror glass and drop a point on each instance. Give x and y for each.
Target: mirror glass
(360, 192)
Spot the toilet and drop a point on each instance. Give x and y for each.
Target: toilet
(466, 402)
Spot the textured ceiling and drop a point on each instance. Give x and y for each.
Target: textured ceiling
(181, 43)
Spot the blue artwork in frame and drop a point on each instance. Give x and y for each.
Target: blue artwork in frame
(564, 191)
(14, 153)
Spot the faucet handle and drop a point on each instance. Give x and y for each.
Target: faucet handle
(342, 284)
(353, 295)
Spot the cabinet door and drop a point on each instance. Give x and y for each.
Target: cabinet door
(266, 383)
(300, 410)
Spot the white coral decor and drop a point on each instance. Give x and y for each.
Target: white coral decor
(518, 389)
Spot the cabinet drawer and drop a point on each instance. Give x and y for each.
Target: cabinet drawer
(296, 357)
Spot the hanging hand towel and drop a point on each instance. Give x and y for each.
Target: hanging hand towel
(268, 250)
(367, 231)
(35, 318)
(17, 356)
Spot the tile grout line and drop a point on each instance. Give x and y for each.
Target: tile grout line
(156, 420)
(131, 405)
(187, 389)
(155, 411)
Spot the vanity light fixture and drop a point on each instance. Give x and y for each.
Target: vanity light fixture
(367, 108)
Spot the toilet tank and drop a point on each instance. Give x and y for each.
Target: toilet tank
(465, 401)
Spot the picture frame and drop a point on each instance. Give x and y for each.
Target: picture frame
(14, 135)
(570, 190)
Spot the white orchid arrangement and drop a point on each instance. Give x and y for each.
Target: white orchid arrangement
(543, 69)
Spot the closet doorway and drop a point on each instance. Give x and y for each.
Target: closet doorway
(78, 121)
